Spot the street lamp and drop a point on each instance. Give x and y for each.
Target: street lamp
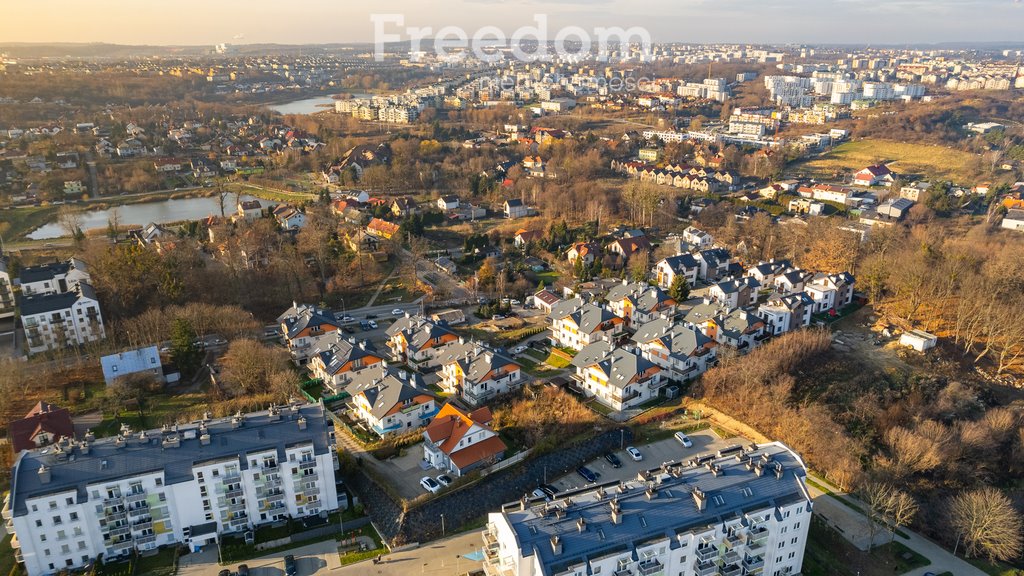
(442, 525)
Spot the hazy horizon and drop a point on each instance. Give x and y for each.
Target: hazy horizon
(893, 22)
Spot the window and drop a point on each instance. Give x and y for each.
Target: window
(69, 501)
(793, 541)
(57, 521)
(42, 537)
(35, 508)
(61, 535)
(64, 549)
(39, 523)
(791, 555)
(159, 481)
(74, 516)
(53, 505)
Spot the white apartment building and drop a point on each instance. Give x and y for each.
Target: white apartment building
(186, 484)
(53, 278)
(744, 510)
(60, 320)
(7, 306)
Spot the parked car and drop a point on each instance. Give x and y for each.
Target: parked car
(372, 323)
(549, 490)
(519, 349)
(444, 480)
(587, 474)
(429, 484)
(290, 568)
(364, 325)
(497, 317)
(398, 312)
(243, 570)
(224, 572)
(348, 329)
(516, 302)
(683, 439)
(371, 316)
(613, 460)
(634, 454)
(538, 493)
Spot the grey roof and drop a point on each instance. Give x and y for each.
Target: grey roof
(592, 353)
(384, 394)
(703, 312)
(418, 331)
(621, 365)
(672, 509)
(737, 322)
(1014, 214)
(679, 339)
(130, 362)
(370, 376)
(479, 363)
(680, 263)
(298, 318)
(44, 303)
(106, 462)
(565, 307)
(714, 256)
(795, 276)
(342, 351)
(590, 317)
(772, 267)
(737, 284)
(44, 271)
(789, 301)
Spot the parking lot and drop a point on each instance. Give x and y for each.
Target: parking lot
(654, 455)
(318, 558)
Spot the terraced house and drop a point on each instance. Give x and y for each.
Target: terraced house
(303, 326)
(617, 377)
(684, 353)
(575, 324)
(392, 403)
(744, 510)
(137, 491)
(479, 375)
(417, 340)
(335, 360)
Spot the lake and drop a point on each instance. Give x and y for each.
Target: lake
(160, 212)
(306, 106)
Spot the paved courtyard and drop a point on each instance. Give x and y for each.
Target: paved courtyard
(318, 558)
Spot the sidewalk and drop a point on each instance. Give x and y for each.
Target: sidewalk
(437, 558)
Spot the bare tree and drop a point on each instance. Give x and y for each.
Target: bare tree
(889, 508)
(988, 524)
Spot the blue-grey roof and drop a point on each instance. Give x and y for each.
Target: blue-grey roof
(130, 362)
(73, 470)
(43, 272)
(672, 509)
(43, 303)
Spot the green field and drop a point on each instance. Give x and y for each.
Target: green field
(903, 158)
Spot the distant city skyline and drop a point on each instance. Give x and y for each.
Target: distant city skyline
(191, 22)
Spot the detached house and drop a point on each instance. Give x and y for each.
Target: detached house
(830, 291)
(765, 272)
(60, 320)
(624, 248)
(666, 270)
(514, 208)
(334, 360)
(393, 405)
(382, 228)
(698, 238)
(714, 263)
(587, 251)
(639, 302)
(683, 352)
(874, 175)
(736, 293)
(54, 278)
(250, 209)
(417, 340)
(458, 442)
(44, 424)
(289, 217)
(480, 375)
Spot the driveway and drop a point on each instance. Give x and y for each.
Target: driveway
(654, 454)
(453, 556)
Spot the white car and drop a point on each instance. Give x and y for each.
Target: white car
(515, 302)
(683, 439)
(444, 480)
(429, 484)
(519, 349)
(634, 454)
(398, 312)
(373, 324)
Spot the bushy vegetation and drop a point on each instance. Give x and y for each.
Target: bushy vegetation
(544, 418)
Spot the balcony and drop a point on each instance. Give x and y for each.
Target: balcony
(5, 512)
(144, 540)
(707, 553)
(751, 563)
(15, 543)
(18, 556)
(650, 567)
(116, 516)
(231, 478)
(137, 512)
(704, 568)
(144, 524)
(735, 541)
(478, 397)
(758, 538)
(731, 570)
(135, 497)
(731, 557)
(623, 399)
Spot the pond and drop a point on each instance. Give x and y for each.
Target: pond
(305, 106)
(159, 212)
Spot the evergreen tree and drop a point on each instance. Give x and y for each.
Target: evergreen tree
(680, 288)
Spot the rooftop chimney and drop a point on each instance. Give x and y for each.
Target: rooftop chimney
(44, 474)
(651, 492)
(302, 422)
(204, 439)
(616, 512)
(700, 499)
(83, 447)
(581, 525)
(235, 422)
(89, 436)
(779, 470)
(172, 441)
(556, 544)
(524, 502)
(119, 443)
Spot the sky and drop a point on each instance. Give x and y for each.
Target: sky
(208, 22)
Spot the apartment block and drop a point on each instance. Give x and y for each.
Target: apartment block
(184, 484)
(743, 510)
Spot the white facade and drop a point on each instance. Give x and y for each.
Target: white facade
(151, 497)
(55, 321)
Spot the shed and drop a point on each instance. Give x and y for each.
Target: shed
(918, 340)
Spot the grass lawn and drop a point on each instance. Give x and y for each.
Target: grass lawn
(557, 361)
(907, 158)
(829, 554)
(995, 569)
(160, 409)
(353, 556)
(6, 556)
(26, 219)
(159, 564)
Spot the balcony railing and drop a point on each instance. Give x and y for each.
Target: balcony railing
(135, 497)
(704, 568)
(753, 563)
(650, 567)
(731, 570)
(735, 541)
(707, 553)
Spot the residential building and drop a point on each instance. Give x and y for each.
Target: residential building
(1014, 220)
(738, 329)
(874, 175)
(183, 485)
(624, 248)
(524, 237)
(60, 320)
(303, 326)
(479, 375)
(714, 263)
(765, 272)
(7, 306)
(735, 293)
(681, 351)
(790, 281)
(515, 208)
(914, 191)
(416, 340)
(289, 217)
(139, 361)
(587, 251)
(639, 302)
(43, 425)
(746, 510)
(53, 278)
(617, 377)
(447, 203)
(382, 228)
(785, 313)
(458, 442)
(392, 404)
(666, 270)
(545, 299)
(575, 324)
(830, 291)
(337, 355)
(250, 209)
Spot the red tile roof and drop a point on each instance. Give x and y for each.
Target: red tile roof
(43, 417)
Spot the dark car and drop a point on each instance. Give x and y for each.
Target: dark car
(549, 489)
(587, 474)
(364, 325)
(613, 460)
(290, 569)
(224, 572)
(243, 570)
(371, 316)
(349, 329)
